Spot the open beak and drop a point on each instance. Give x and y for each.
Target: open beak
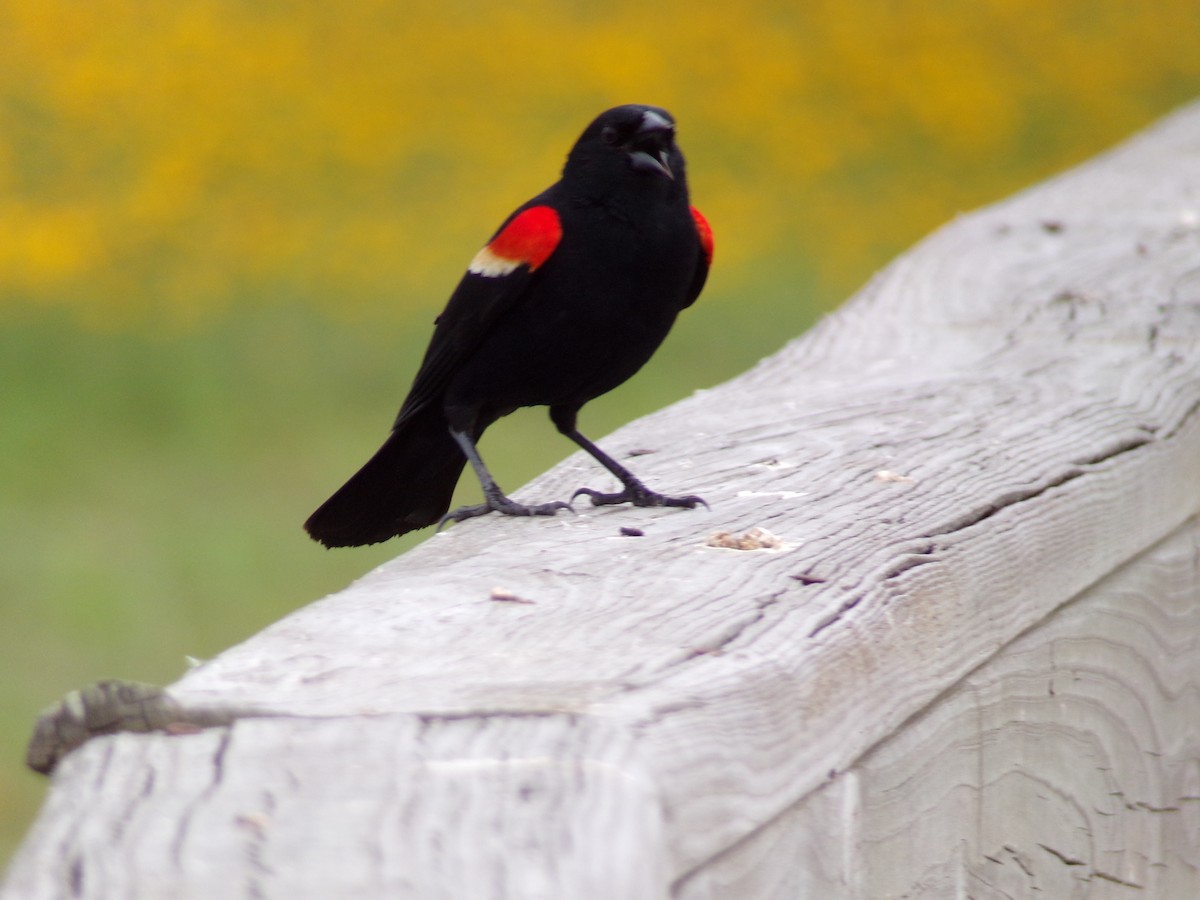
(645, 162)
(650, 149)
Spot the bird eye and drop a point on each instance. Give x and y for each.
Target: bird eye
(609, 134)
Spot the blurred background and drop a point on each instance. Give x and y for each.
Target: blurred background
(226, 227)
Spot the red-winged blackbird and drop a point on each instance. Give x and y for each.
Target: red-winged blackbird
(568, 299)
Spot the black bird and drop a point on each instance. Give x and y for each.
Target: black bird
(570, 297)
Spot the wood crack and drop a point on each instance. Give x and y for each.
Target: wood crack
(1062, 857)
(1105, 876)
(1014, 497)
(185, 819)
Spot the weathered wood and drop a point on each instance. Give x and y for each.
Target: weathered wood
(885, 704)
(1067, 766)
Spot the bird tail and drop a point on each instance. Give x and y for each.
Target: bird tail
(406, 485)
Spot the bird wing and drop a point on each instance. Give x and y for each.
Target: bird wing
(704, 260)
(496, 277)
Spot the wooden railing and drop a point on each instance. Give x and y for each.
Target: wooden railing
(961, 657)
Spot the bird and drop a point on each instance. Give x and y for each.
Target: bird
(568, 299)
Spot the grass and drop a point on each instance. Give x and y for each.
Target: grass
(154, 486)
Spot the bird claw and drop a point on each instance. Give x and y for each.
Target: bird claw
(639, 495)
(505, 507)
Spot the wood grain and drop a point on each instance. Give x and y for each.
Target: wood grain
(671, 718)
(1066, 766)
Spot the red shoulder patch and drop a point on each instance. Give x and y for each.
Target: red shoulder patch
(528, 240)
(705, 233)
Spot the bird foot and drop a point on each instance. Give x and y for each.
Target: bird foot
(505, 507)
(639, 495)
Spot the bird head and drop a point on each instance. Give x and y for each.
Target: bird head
(632, 138)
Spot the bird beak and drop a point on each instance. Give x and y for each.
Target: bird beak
(644, 162)
(652, 152)
(653, 123)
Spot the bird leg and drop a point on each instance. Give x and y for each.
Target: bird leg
(635, 492)
(494, 499)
